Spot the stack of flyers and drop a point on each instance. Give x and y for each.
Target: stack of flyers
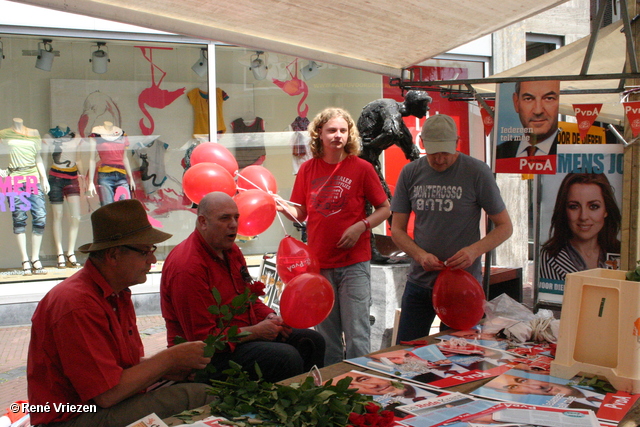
(438, 410)
(212, 422)
(151, 420)
(545, 390)
(388, 392)
(517, 414)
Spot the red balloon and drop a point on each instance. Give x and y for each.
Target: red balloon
(257, 211)
(306, 300)
(259, 176)
(213, 152)
(203, 178)
(458, 299)
(294, 258)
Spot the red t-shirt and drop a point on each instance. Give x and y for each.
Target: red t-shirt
(83, 336)
(335, 197)
(189, 273)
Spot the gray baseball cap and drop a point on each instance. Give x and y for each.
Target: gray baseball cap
(439, 134)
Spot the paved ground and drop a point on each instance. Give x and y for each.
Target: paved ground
(14, 343)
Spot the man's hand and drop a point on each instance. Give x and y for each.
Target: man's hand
(430, 262)
(351, 235)
(462, 259)
(186, 357)
(267, 330)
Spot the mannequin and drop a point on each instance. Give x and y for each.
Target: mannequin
(250, 149)
(27, 173)
(114, 172)
(64, 185)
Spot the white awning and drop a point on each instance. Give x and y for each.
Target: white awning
(609, 57)
(377, 36)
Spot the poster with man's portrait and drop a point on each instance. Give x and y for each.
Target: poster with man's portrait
(526, 127)
(580, 215)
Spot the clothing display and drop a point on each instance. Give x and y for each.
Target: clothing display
(23, 150)
(64, 153)
(249, 148)
(152, 166)
(200, 102)
(112, 174)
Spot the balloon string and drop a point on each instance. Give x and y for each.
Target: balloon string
(284, 206)
(281, 223)
(259, 188)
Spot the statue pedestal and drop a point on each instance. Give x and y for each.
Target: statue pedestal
(387, 286)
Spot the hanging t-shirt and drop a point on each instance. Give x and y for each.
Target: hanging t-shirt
(249, 147)
(200, 102)
(152, 168)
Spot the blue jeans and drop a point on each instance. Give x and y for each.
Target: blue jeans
(37, 208)
(59, 188)
(350, 313)
(108, 183)
(278, 360)
(417, 313)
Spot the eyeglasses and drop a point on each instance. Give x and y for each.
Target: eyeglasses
(140, 251)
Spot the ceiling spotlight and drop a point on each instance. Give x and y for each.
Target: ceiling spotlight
(1, 52)
(45, 55)
(258, 66)
(310, 70)
(99, 59)
(201, 67)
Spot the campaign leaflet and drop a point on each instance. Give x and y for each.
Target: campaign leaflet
(545, 390)
(427, 365)
(388, 392)
(438, 410)
(518, 414)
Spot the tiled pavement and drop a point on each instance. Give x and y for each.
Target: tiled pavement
(14, 343)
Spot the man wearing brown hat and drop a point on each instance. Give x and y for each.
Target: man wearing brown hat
(85, 365)
(447, 190)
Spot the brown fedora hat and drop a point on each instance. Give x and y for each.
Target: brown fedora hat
(122, 223)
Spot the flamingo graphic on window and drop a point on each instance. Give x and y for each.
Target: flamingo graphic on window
(295, 86)
(154, 96)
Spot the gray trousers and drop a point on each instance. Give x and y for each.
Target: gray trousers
(164, 402)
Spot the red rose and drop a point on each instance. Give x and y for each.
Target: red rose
(356, 419)
(257, 288)
(372, 407)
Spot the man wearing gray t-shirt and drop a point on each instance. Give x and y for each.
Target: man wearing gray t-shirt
(447, 190)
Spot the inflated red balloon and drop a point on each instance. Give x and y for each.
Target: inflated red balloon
(213, 152)
(257, 211)
(458, 299)
(257, 177)
(203, 178)
(294, 258)
(306, 300)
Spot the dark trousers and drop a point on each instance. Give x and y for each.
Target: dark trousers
(417, 313)
(278, 360)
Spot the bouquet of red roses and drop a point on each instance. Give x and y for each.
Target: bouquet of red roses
(374, 416)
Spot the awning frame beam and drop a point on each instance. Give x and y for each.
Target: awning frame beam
(408, 80)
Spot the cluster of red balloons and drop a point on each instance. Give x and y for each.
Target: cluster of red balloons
(307, 298)
(213, 168)
(458, 299)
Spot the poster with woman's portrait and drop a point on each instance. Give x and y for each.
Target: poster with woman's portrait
(580, 215)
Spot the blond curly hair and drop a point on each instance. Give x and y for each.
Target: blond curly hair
(315, 127)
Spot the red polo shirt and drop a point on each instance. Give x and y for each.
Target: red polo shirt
(189, 273)
(83, 336)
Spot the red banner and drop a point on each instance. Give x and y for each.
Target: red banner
(632, 110)
(586, 115)
(487, 119)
